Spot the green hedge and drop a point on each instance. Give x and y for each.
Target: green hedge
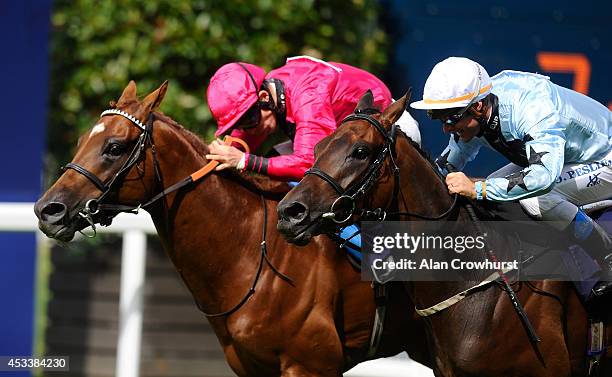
(98, 46)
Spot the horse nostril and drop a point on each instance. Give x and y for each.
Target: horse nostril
(296, 211)
(53, 212)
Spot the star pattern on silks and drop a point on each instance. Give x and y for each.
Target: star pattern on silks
(517, 179)
(535, 158)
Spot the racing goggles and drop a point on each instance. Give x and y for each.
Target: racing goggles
(448, 119)
(251, 118)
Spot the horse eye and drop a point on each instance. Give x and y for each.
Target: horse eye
(114, 150)
(360, 153)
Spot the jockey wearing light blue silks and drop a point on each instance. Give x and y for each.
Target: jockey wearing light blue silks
(560, 143)
(553, 126)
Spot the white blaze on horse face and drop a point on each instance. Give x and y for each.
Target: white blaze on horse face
(97, 129)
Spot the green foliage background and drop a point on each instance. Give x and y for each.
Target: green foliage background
(97, 46)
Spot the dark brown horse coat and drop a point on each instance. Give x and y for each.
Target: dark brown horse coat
(319, 325)
(479, 336)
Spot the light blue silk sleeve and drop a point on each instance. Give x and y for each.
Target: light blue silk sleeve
(537, 117)
(459, 153)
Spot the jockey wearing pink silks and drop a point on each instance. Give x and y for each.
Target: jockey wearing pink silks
(307, 98)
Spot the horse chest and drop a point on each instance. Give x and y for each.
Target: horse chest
(251, 331)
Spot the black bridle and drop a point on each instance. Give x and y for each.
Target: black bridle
(106, 211)
(95, 207)
(361, 186)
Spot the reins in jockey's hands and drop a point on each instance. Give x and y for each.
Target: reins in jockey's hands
(459, 183)
(227, 155)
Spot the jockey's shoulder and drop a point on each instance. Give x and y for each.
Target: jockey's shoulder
(511, 75)
(309, 60)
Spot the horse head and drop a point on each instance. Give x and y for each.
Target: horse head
(112, 163)
(357, 159)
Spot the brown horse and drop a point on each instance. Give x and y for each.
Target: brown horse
(317, 321)
(478, 336)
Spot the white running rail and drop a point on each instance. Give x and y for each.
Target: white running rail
(19, 217)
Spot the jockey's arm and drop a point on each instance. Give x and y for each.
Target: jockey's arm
(314, 119)
(545, 154)
(310, 128)
(458, 154)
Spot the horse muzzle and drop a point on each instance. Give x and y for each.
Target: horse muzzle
(298, 237)
(55, 221)
(294, 222)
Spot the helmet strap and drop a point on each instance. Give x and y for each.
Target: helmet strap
(278, 104)
(491, 122)
(481, 115)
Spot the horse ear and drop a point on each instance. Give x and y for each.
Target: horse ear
(366, 101)
(395, 110)
(128, 95)
(154, 99)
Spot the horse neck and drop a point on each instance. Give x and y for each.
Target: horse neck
(423, 190)
(427, 194)
(211, 230)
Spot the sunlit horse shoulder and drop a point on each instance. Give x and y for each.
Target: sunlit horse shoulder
(478, 336)
(317, 321)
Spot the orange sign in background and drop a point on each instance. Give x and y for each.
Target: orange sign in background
(572, 63)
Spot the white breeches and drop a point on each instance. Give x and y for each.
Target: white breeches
(578, 185)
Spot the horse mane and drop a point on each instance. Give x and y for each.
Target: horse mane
(487, 210)
(257, 183)
(418, 148)
(194, 140)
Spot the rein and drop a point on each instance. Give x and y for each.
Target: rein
(263, 257)
(94, 206)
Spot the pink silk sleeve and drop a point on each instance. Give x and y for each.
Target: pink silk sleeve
(314, 119)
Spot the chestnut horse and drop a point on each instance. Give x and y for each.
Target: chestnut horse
(478, 336)
(281, 311)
